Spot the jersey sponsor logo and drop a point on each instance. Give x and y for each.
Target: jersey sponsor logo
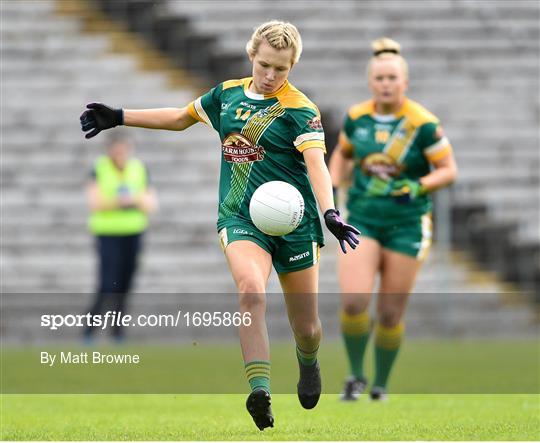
(381, 165)
(237, 148)
(225, 106)
(315, 123)
(299, 256)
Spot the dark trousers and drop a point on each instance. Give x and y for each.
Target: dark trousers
(117, 265)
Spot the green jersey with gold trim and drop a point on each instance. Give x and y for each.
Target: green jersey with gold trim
(387, 148)
(262, 139)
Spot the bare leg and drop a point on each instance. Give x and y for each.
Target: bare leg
(250, 266)
(398, 275)
(357, 271)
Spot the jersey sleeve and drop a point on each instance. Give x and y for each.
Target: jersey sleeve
(307, 130)
(434, 143)
(207, 107)
(345, 135)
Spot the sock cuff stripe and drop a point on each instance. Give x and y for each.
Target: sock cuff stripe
(354, 318)
(357, 324)
(258, 370)
(258, 375)
(394, 331)
(389, 338)
(307, 354)
(258, 363)
(247, 368)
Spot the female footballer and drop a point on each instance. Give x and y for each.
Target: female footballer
(397, 154)
(269, 130)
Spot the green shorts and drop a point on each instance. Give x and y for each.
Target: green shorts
(287, 256)
(411, 237)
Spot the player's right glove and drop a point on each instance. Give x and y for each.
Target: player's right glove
(405, 191)
(341, 230)
(98, 117)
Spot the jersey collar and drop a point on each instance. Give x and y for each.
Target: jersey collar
(385, 118)
(254, 96)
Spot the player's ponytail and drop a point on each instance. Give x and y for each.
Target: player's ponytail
(384, 48)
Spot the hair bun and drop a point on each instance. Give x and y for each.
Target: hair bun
(385, 45)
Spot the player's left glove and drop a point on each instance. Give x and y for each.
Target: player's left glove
(404, 191)
(341, 230)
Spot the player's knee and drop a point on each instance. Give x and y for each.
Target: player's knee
(352, 308)
(252, 301)
(307, 330)
(389, 319)
(250, 285)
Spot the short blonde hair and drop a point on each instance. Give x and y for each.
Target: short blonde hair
(386, 48)
(279, 35)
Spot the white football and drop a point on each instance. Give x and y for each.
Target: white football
(276, 208)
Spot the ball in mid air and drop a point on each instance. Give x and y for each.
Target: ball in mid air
(276, 208)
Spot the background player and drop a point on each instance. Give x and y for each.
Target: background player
(398, 154)
(269, 131)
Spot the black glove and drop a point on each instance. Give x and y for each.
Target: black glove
(342, 231)
(99, 117)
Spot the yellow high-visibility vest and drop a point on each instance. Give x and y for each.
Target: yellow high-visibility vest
(111, 182)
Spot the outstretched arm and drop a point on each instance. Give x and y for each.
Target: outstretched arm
(172, 119)
(99, 117)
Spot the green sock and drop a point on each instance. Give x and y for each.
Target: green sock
(355, 332)
(387, 344)
(306, 358)
(258, 375)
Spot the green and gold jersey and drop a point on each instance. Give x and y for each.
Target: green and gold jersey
(262, 139)
(386, 148)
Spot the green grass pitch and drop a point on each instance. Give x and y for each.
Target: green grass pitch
(442, 390)
(223, 417)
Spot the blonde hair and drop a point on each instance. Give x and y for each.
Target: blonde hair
(385, 48)
(279, 35)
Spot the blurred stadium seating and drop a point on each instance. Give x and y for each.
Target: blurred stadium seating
(474, 64)
(469, 60)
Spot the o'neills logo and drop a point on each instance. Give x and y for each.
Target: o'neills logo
(381, 165)
(237, 148)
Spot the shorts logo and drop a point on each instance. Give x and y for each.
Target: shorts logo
(299, 256)
(241, 231)
(315, 123)
(381, 165)
(237, 148)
